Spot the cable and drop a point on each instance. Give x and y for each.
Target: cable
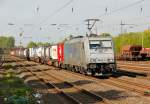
(122, 8)
(57, 11)
(116, 10)
(105, 14)
(53, 14)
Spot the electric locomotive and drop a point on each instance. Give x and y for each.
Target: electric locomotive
(90, 55)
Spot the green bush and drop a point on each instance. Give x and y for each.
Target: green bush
(17, 100)
(14, 90)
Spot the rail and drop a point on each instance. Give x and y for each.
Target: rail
(84, 96)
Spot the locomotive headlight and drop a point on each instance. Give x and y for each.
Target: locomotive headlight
(110, 60)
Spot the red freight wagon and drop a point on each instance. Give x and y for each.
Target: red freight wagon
(60, 51)
(145, 52)
(57, 54)
(131, 52)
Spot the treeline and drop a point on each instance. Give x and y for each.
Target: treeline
(32, 44)
(7, 42)
(132, 38)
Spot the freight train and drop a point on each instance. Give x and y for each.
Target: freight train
(84, 54)
(134, 52)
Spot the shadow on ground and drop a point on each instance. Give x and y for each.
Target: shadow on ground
(114, 94)
(82, 82)
(120, 73)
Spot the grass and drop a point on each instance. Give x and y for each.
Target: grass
(14, 90)
(8, 66)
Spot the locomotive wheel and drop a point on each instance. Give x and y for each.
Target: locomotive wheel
(85, 72)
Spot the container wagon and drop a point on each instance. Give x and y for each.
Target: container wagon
(47, 56)
(32, 52)
(43, 55)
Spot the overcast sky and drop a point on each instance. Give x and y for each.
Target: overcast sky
(35, 18)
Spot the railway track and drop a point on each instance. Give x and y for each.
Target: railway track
(83, 96)
(144, 87)
(135, 62)
(137, 68)
(146, 69)
(130, 86)
(143, 64)
(134, 87)
(80, 96)
(60, 96)
(127, 85)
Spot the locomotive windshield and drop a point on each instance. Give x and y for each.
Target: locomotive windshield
(94, 44)
(106, 44)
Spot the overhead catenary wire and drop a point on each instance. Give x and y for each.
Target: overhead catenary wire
(56, 11)
(53, 14)
(113, 11)
(119, 9)
(133, 20)
(102, 15)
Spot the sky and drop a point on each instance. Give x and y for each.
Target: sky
(53, 20)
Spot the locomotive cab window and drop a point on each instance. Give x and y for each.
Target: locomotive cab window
(95, 44)
(106, 44)
(100, 44)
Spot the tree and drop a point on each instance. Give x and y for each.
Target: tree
(47, 44)
(132, 38)
(7, 42)
(11, 42)
(31, 44)
(39, 44)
